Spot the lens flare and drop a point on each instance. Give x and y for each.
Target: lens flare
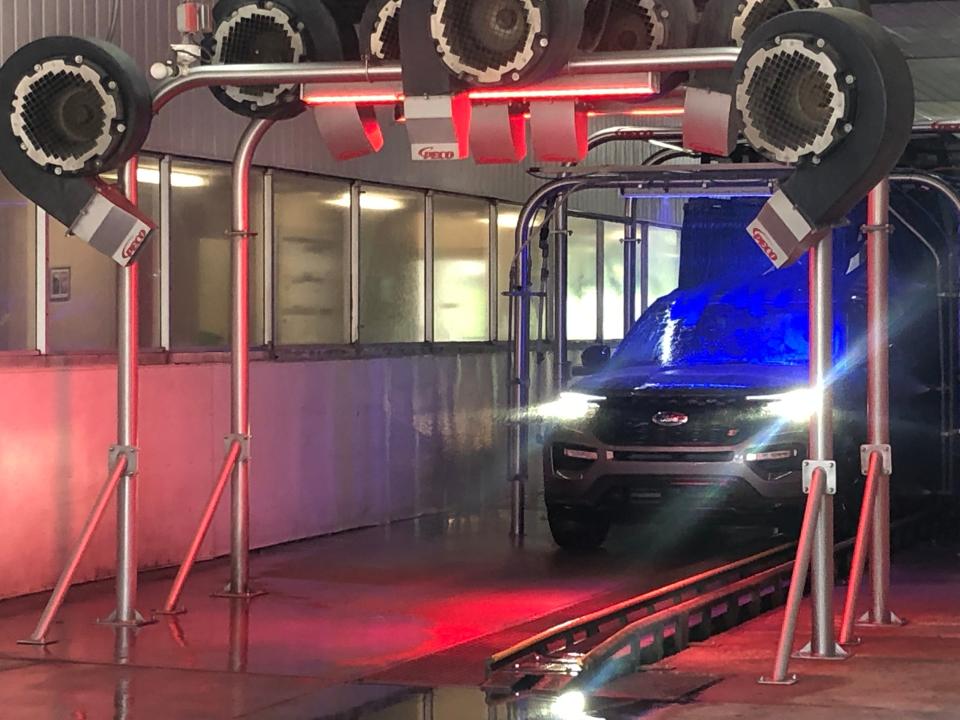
(794, 406)
(569, 406)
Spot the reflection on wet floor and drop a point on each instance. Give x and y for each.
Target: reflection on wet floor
(383, 604)
(49, 691)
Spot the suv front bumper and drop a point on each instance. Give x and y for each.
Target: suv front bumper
(701, 478)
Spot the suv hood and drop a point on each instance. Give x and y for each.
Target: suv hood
(722, 378)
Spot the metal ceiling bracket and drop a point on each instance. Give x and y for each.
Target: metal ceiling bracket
(132, 455)
(243, 441)
(886, 456)
(829, 467)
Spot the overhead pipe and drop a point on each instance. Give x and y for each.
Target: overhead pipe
(338, 73)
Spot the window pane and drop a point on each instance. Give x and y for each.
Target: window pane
(582, 279)
(391, 265)
(312, 240)
(200, 217)
(81, 294)
(507, 217)
(17, 270)
(461, 277)
(664, 262)
(612, 281)
(148, 182)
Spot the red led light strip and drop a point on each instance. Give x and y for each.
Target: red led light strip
(354, 99)
(382, 98)
(560, 93)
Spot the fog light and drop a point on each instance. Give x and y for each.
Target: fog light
(581, 454)
(770, 455)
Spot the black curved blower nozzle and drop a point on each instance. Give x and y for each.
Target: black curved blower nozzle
(830, 92)
(79, 108)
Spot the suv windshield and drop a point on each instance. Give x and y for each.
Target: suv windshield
(760, 322)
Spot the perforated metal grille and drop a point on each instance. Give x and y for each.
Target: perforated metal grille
(720, 421)
(386, 41)
(255, 35)
(486, 38)
(790, 101)
(63, 115)
(633, 25)
(753, 13)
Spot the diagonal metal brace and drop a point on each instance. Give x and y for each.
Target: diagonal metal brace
(130, 453)
(886, 457)
(829, 468)
(243, 441)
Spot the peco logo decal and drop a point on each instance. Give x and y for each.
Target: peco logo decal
(130, 250)
(761, 240)
(432, 153)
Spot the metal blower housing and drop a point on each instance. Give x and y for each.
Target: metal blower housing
(487, 42)
(78, 108)
(380, 30)
(830, 92)
(751, 14)
(631, 25)
(274, 31)
(709, 124)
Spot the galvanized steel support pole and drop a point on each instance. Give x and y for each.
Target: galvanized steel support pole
(39, 635)
(128, 340)
(170, 606)
(878, 393)
(520, 388)
(823, 643)
(560, 255)
(239, 585)
(860, 548)
(630, 266)
(798, 579)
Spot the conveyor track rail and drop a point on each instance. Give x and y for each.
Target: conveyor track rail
(620, 638)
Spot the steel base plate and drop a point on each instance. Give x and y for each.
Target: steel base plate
(806, 653)
(138, 621)
(788, 680)
(866, 620)
(36, 643)
(175, 611)
(248, 595)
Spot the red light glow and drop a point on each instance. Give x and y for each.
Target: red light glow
(353, 98)
(640, 112)
(592, 93)
(561, 93)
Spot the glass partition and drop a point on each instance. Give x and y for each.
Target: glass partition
(17, 273)
(391, 265)
(461, 285)
(312, 264)
(200, 289)
(582, 279)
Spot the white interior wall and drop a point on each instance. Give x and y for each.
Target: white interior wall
(336, 445)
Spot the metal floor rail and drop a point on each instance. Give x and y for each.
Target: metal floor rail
(590, 650)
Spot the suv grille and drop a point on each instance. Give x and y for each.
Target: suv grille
(713, 421)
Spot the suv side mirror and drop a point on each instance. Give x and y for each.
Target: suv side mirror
(594, 358)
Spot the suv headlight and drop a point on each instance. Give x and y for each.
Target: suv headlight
(569, 406)
(794, 406)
